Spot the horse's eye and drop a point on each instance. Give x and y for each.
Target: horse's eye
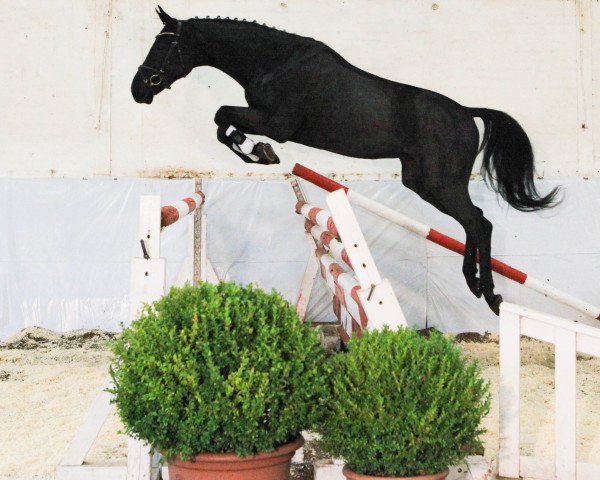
(160, 47)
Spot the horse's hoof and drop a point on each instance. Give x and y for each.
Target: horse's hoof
(494, 303)
(265, 153)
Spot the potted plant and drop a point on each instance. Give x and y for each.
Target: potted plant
(402, 406)
(221, 380)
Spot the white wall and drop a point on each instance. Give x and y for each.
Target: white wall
(67, 67)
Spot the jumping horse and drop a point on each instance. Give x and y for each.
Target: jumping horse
(300, 90)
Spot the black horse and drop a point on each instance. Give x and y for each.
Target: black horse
(300, 90)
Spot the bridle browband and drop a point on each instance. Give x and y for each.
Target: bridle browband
(158, 77)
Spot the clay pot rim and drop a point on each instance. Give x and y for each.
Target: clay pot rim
(234, 457)
(360, 476)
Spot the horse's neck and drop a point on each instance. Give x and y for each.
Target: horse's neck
(242, 51)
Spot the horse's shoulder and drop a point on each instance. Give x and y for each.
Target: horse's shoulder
(301, 64)
(314, 62)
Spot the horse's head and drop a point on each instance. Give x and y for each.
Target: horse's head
(169, 59)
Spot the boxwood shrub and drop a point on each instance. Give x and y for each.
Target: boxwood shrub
(403, 404)
(218, 368)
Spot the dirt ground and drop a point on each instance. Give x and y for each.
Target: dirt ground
(48, 381)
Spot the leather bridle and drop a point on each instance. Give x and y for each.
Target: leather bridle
(158, 77)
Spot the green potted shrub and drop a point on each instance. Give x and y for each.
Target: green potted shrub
(221, 380)
(402, 406)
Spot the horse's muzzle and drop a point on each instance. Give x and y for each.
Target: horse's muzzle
(147, 99)
(141, 93)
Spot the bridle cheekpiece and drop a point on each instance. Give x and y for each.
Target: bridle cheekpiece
(158, 77)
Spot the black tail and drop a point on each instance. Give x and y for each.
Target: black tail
(508, 162)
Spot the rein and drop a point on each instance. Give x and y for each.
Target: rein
(158, 77)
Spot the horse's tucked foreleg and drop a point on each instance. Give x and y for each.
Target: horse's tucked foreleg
(240, 144)
(245, 148)
(232, 121)
(228, 141)
(238, 121)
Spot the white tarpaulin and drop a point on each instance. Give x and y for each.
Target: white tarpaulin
(66, 246)
(66, 249)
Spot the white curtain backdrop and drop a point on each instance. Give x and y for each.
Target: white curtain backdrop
(66, 246)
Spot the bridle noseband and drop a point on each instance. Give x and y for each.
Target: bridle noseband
(158, 77)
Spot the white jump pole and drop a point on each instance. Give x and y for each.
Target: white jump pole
(445, 241)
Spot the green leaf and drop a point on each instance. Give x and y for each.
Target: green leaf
(218, 368)
(402, 404)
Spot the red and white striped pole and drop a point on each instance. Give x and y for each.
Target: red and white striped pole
(318, 216)
(169, 214)
(334, 246)
(445, 241)
(344, 287)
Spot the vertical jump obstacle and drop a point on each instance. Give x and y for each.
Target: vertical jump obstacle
(148, 284)
(568, 337)
(445, 241)
(361, 298)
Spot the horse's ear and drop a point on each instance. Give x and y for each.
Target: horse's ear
(164, 16)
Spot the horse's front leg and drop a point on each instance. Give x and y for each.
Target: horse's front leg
(230, 142)
(235, 122)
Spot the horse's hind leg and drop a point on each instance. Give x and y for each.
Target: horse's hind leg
(452, 198)
(478, 229)
(413, 178)
(469, 268)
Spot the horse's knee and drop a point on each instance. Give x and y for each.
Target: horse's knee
(221, 135)
(221, 116)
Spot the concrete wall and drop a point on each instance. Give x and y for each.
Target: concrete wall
(67, 67)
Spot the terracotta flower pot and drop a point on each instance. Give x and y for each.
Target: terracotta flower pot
(273, 465)
(350, 475)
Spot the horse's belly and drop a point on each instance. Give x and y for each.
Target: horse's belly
(354, 115)
(351, 133)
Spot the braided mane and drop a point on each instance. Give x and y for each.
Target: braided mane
(243, 21)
